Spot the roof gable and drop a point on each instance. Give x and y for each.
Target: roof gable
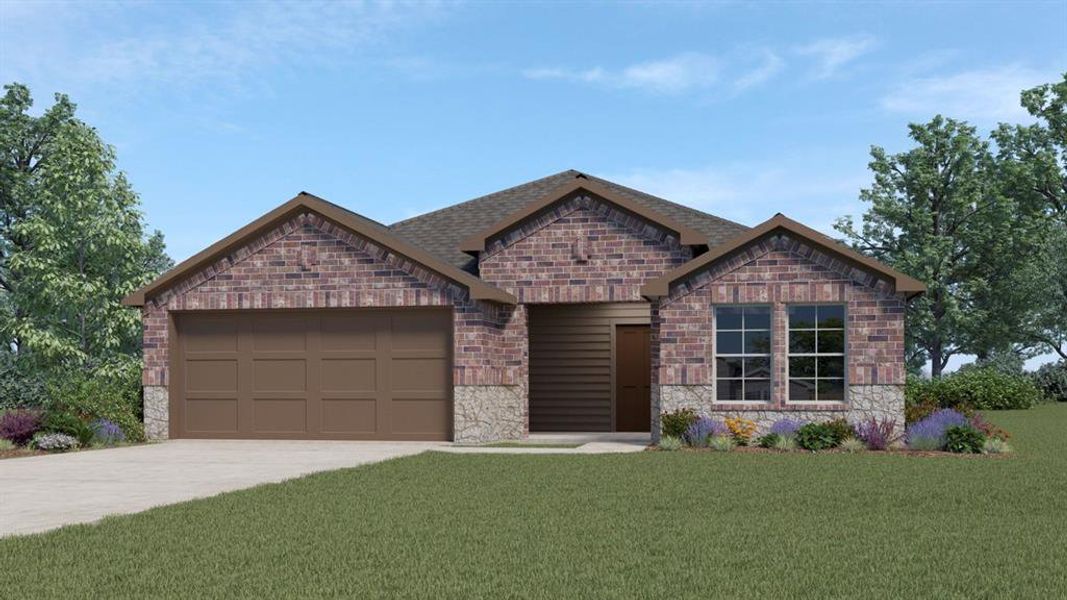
(686, 235)
(903, 284)
(345, 219)
(442, 230)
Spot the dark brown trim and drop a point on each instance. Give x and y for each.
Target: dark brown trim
(903, 284)
(357, 224)
(686, 235)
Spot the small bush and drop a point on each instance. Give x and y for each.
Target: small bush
(929, 433)
(699, 431)
(61, 422)
(786, 443)
(6, 445)
(92, 396)
(18, 426)
(841, 429)
(786, 427)
(675, 423)
(817, 436)
(670, 443)
(722, 443)
(964, 439)
(741, 429)
(852, 445)
(996, 446)
(107, 433)
(988, 429)
(769, 440)
(877, 434)
(1051, 379)
(54, 442)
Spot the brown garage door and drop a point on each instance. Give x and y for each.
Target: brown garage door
(328, 374)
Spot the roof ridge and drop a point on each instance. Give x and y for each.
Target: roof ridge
(484, 196)
(661, 199)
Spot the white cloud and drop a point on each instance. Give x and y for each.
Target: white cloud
(813, 190)
(771, 65)
(174, 44)
(674, 75)
(831, 54)
(981, 95)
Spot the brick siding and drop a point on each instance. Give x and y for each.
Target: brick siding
(779, 271)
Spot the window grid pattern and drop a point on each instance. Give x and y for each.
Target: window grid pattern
(817, 353)
(743, 353)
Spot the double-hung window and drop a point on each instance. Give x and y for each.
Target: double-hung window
(817, 353)
(743, 353)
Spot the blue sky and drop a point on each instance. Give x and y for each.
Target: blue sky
(220, 111)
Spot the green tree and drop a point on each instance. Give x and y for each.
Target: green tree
(1032, 169)
(72, 241)
(932, 214)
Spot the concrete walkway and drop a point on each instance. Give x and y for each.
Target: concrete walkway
(39, 493)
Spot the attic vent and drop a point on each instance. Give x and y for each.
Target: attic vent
(580, 249)
(309, 256)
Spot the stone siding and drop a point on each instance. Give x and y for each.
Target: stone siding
(487, 413)
(156, 412)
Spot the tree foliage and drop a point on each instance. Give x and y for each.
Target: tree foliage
(72, 241)
(984, 225)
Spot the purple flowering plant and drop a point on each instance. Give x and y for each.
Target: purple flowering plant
(929, 433)
(786, 427)
(698, 433)
(876, 433)
(107, 432)
(18, 426)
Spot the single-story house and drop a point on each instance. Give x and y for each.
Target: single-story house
(569, 303)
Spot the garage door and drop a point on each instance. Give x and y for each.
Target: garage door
(329, 374)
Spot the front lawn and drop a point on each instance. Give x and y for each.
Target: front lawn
(653, 524)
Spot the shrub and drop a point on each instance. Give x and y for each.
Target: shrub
(722, 443)
(786, 427)
(57, 442)
(817, 436)
(18, 426)
(929, 433)
(978, 388)
(699, 431)
(1051, 379)
(964, 439)
(67, 424)
(841, 429)
(107, 433)
(6, 445)
(19, 387)
(988, 429)
(92, 396)
(670, 443)
(769, 440)
(996, 446)
(877, 434)
(786, 443)
(675, 423)
(852, 445)
(741, 429)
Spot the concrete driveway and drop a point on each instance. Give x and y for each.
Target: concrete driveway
(44, 492)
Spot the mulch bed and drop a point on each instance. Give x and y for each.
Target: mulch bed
(19, 453)
(759, 450)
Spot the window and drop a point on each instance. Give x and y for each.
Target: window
(743, 353)
(817, 353)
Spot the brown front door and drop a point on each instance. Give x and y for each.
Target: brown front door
(322, 374)
(633, 378)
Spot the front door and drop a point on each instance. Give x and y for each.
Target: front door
(633, 378)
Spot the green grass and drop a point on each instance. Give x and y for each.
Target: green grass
(654, 524)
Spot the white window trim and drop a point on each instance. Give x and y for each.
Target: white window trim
(716, 355)
(843, 354)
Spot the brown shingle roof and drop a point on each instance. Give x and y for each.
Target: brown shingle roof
(440, 232)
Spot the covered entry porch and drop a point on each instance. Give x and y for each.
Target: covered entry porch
(590, 368)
